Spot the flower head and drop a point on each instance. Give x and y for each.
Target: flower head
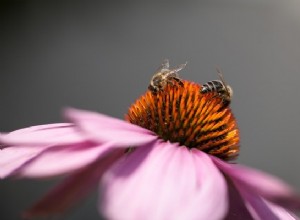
(169, 162)
(182, 114)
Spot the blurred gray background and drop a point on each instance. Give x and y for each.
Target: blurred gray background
(100, 55)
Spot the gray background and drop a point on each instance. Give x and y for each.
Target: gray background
(100, 55)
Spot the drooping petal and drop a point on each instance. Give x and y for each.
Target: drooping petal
(256, 206)
(260, 209)
(37, 162)
(281, 213)
(163, 181)
(263, 184)
(74, 187)
(62, 161)
(61, 133)
(13, 158)
(237, 208)
(102, 128)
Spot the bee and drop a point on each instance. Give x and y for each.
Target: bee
(220, 87)
(164, 76)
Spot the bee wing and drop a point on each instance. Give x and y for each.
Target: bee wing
(165, 65)
(178, 68)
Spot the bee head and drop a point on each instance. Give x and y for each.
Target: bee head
(229, 91)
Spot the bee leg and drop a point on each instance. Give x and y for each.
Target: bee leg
(226, 103)
(152, 89)
(170, 82)
(179, 81)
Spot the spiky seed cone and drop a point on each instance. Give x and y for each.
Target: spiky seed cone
(180, 113)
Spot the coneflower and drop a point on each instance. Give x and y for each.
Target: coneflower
(167, 160)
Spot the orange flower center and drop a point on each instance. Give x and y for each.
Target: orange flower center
(184, 115)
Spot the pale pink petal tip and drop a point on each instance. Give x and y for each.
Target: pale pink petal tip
(281, 213)
(260, 183)
(102, 128)
(163, 181)
(13, 159)
(53, 162)
(61, 133)
(48, 160)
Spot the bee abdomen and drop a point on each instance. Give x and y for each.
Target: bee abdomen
(212, 86)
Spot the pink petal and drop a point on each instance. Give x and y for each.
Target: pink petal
(281, 213)
(40, 162)
(246, 205)
(263, 184)
(261, 209)
(74, 188)
(237, 207)
(63, 160)
(256, 206)
(164, 181)
(62, 133)
(13, 158)
(103, 128)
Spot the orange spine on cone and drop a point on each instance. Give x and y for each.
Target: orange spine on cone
(183, 114)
